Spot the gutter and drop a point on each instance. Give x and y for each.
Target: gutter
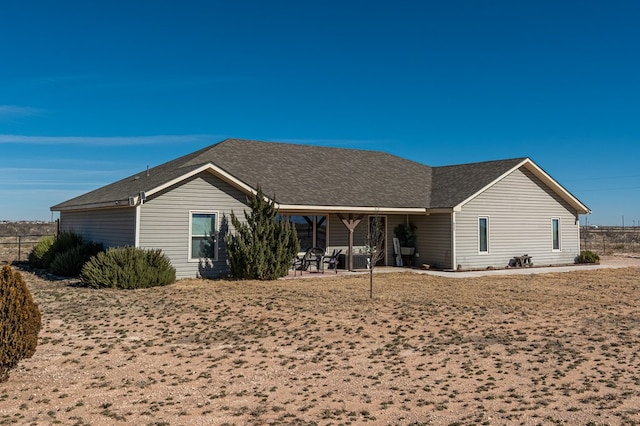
(94, 206)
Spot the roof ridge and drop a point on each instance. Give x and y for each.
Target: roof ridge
(328, 148)
(366, 178)
(504, 160)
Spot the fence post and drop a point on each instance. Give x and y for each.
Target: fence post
(19, 247)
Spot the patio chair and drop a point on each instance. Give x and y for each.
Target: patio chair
(313, 257)
(331, 261)
(299, 262)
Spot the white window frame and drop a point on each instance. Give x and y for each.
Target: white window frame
(553, 248)
(190, 236)
(480, 251)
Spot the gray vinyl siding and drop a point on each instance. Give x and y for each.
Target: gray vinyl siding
(112, 227)
(338, 234)
(164, 221)
(433, 240)
(520, 208)
(360, 233)
(433, 237)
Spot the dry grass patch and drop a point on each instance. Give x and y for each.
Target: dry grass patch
(535, 349)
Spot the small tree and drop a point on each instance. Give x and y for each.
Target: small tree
(374, 243)
(262, 247)
(20, 321)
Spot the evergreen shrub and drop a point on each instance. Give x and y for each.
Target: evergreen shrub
(262, 247)
(38, 256)
(20, 321)
(588, 256)
(63, 242)
(45, 252)
(69, 263)
(128, 268)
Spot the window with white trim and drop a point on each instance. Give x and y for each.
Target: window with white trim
(203, 241)
(555, 234)
(483, 235)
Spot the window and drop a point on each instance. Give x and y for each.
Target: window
(483, 235)
(202, 241)
(311, 230)
(555, 233)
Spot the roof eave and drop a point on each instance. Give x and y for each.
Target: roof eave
(559, 189)
(92, 206)
(297, 208)
(212, 168)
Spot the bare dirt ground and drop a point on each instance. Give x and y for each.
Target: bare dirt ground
(558, 348)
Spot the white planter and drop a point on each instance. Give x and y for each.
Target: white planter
(407, 251)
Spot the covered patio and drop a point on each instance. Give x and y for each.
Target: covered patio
(348, 233)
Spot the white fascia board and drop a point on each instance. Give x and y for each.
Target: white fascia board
(207, 167)
(559, 189)
(293, 208)
(502, 176)
(94, 206)
(440, 210)
(204, 168)
(540, 174)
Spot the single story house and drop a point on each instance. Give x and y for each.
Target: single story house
(468, 216)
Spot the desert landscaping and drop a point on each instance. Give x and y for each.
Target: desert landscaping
(554, 348)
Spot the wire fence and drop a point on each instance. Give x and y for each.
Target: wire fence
(602, 240)
(610, 239)
(16, 248)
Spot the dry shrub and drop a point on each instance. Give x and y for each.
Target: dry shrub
(20, 321)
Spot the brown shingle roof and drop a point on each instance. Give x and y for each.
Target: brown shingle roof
(308, 175)
(454, 184)
(311, 175)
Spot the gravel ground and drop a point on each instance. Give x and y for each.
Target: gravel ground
(553, 348)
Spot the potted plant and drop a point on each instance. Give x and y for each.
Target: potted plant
(405, 233)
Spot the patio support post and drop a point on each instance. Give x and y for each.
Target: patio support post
(351, 224)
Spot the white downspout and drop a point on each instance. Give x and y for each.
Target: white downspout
(577, 222)
(137, 233)
(453, 241)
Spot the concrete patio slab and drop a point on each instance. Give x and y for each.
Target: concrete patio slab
(614, 261)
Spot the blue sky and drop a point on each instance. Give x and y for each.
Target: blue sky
(94, 91)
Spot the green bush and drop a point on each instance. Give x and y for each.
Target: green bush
(128, 267)
(588, 257)
(39, 256)
(70, 262)
(63, 242)
(20, 321)
(262, 248)
(45, 252)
